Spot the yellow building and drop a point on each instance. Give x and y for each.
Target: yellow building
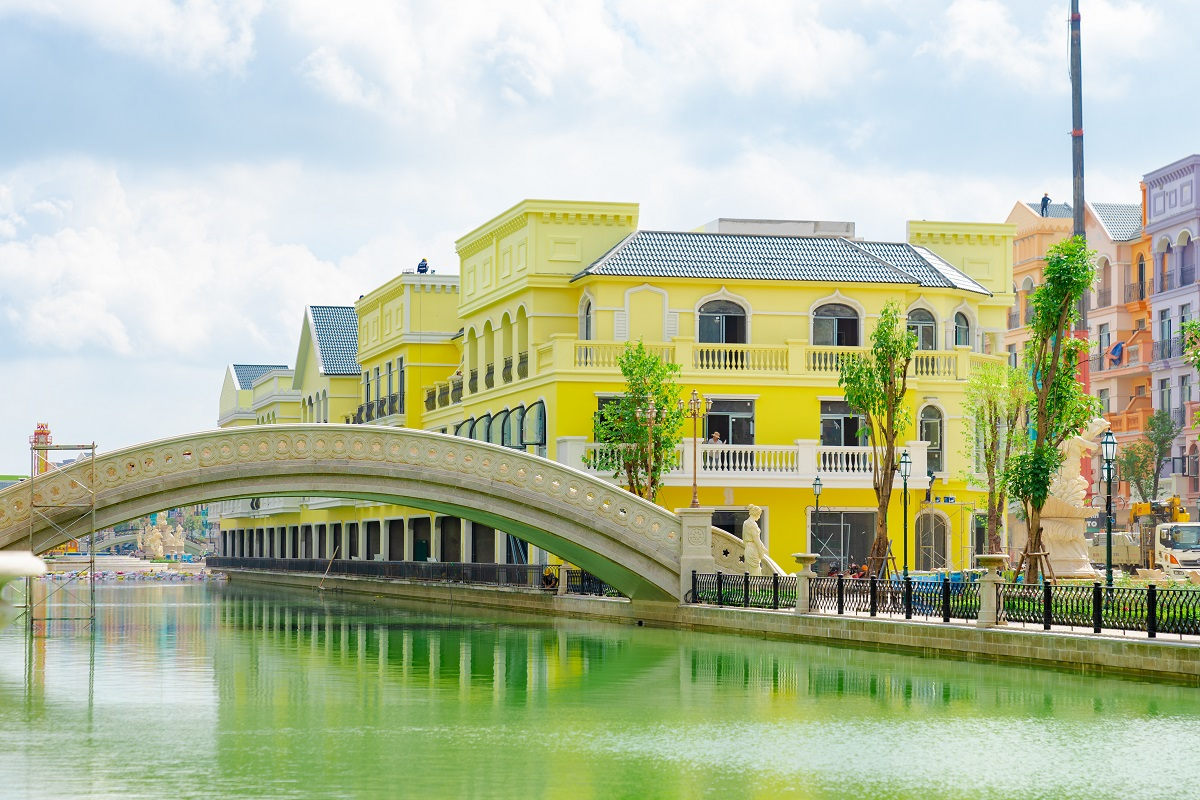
(758, 314)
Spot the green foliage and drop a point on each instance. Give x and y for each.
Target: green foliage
(638, 455)
(997, 397)
(1058, 407)
(1141, 462)
(875, 384)
(1191, 342)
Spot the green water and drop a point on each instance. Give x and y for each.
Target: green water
(231, 692)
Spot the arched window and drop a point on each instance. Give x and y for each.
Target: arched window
(464, 428)
(512, 431)
(962, 330)
(722, 322)
(496, 428)
(479, 432)
(921, 323)
(931, 541)
(533, 428)
(835, 325)
(931, 432)
(587, 330)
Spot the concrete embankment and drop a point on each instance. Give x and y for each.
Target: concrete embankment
(1133, 655)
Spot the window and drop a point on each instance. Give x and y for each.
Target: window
(464, 428)
(962, 330)
(835, 325)
(390, 381)
(1185, 314)
(931, 432)
(1102, 396)
(1164, 325)
(840, 538)
(840, 425)
(479, 431)
(732, 419)
(586, 332)
(533, 430)
(722, 322)
(367, 386)
(921, 323)
(1164, 394)
(512, 432)
(1105, 337)
(931, 541)
(1185, 389)
(1012, 355)
(497, 427)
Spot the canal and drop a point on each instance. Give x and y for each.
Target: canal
(215, 690)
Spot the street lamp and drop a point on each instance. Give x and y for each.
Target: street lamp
(1108, 449)
(905, 471)
(694, 408)
(817, 496)
(649, 416)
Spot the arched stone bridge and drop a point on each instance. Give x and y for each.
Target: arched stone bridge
(630, 543)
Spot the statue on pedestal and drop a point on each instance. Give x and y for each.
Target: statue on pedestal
(1065, 513)
(754, 545)
(154, 546)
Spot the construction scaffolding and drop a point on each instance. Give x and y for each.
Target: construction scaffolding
(73, 520)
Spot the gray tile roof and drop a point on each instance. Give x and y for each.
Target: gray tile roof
(247, 374)
(335, 329)
(662, 254)
(1055, 210)
(1123, 221)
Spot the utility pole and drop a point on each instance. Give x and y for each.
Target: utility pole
(1077, 141)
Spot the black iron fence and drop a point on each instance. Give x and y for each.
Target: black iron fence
(525, 576)
(1153, 610)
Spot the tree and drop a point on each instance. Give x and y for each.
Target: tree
(642, 452)
(875, 384)
(1141, 462)
(1058, 407)
(996, 400)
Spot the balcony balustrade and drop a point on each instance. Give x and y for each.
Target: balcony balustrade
(1165, 281)
(1014, 319)
(1187, 274)
(739, 357)
(430, 399)
(368, 412)
(473, 382)
(757, 464)
(506, 374)
(456, 393)
(489, 377)
(1138, 291)
(523, 365)
(1168, 348)
(443, 395)
(1178, 416)
(381, 408)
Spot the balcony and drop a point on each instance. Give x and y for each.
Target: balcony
(506, 372)
(739, 357)
(456, 392)
(1104, 298)
(1178, 416)
(523, 365)
(1136, 292)
(396, 403)
(794, 465)
(489, 377)
(443, 395)
(473, 382)
(430, 399)
(1165, 282)
(1168, 349)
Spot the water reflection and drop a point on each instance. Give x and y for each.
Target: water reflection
(205, 690)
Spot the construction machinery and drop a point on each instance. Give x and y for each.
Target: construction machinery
(1163, 541)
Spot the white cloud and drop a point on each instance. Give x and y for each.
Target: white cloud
(196, 34)
(437, 61)
(983, 37)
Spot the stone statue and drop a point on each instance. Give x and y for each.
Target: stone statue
(754, 545)
(154, 544)
(1065, 513)
(141, 542)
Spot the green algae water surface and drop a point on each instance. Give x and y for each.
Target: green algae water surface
(206, 690)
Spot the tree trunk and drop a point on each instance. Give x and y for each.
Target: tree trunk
(879, 547)
(1034, 545)
(995, 507)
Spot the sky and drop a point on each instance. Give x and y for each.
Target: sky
(179, 179)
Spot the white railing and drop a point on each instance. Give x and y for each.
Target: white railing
(750, 464)
(845, 459)
(829, 359)
(749, 458)
(739, 357)
(604, 355)
(934, 365)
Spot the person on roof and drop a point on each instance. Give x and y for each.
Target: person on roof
(1046, 204)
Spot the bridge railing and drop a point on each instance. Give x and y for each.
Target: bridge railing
(538, 577)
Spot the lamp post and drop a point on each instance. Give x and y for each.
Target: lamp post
(905, 471)
(817, 514)
(1108, 449)
(693, 409)
(650, 415)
